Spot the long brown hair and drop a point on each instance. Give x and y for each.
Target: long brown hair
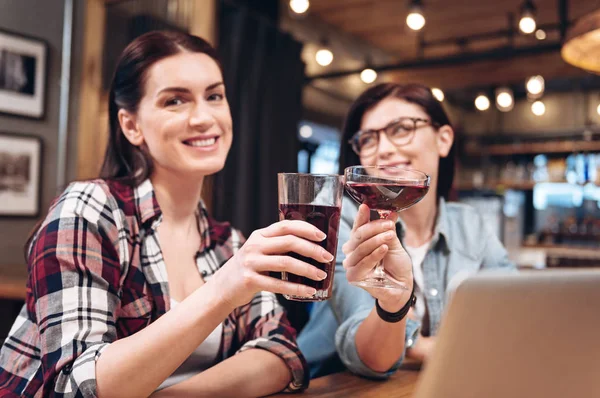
(417, 94)
(122, 160)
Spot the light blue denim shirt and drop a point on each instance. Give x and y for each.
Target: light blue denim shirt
(461, 245)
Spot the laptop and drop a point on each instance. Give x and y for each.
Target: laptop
(530, 334)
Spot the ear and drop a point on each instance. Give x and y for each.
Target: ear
(130, 127)
(445, 138)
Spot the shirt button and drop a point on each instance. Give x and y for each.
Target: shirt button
(409, 342)
(204, 273)
(433, 292)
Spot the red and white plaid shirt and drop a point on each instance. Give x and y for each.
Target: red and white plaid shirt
(96, 275)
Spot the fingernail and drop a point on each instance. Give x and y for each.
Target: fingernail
(327, 256)
(388, 224)
(382, 248)
(321, 274)
(321, 235)
(389, 234)
(310, 291)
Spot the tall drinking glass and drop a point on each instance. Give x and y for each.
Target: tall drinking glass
(316, 199)
(385, 189)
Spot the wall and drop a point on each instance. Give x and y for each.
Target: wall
(43, 19)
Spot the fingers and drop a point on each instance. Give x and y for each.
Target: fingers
(362, 217)
(366, 232)
(290, 243)
(367, 247)
(359, 271)
(298, 228)
(275, 285)
(291, 265)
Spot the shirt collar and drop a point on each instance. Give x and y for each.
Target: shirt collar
(151, 216)
(441, 234)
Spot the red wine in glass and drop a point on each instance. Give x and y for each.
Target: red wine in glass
(327, 219)
(386, 196)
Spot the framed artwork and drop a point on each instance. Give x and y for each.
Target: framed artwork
(20, 175)
(23, 63)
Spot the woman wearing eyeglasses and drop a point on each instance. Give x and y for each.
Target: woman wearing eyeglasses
(435, 242)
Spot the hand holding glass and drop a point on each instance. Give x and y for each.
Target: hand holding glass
(385, 189)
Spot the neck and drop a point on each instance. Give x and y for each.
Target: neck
(420, 220)
(177, 195)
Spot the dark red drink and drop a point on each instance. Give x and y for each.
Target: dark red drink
(327, 219)
(386, 196)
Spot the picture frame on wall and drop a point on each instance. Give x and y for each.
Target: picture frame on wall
(23, 64)
(20, 175)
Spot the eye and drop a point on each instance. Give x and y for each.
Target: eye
(216, 97)
(367, 139)
(401, 128)
(174, 101)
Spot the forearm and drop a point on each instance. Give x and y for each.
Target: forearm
(135, 366)
(380, 344)
(238, 376)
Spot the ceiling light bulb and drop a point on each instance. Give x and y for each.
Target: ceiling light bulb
(482, 102)
(299, 6)
(598, 110)
(306, 131)
(415, 20)
(368, 75)
(324, 57)
(438, 94)
(504, 99)
(540, 34)
(538, 108)
(527, 25)
(535, 85)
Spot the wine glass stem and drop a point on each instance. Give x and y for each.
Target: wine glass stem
(379, 269)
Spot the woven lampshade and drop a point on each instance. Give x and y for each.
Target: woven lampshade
(582, 44)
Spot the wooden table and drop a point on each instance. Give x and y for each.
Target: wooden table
(401, 384)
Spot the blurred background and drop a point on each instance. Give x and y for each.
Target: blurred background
(517, 77)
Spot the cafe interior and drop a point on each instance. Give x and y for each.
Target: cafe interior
(519, 80)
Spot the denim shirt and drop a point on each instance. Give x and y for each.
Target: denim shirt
(461, 245)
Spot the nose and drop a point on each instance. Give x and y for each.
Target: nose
(201, 118)
(385, 148)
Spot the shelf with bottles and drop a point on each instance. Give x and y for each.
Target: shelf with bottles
(525, 172)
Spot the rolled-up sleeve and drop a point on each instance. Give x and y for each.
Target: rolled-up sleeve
(267, 328)
(74, 279)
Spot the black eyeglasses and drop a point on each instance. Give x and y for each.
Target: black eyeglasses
(400, 132)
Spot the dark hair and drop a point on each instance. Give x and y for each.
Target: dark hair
(414, 93)
(122, 160)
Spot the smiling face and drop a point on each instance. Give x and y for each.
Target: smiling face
(183, 118)
(423, 152)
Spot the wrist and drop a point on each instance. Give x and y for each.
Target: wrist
(394, 317)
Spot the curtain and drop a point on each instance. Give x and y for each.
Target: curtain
(264, 75)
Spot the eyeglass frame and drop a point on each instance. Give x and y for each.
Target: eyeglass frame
(354, 140)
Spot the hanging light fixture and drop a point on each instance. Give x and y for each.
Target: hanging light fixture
(598, 110)
(438, 94)
(582, 43)
(368, 75)
(415, 18)
(299, 6)
(538, 108)
(540, 34)
(535, 86)
(527, 22)
(324, 56)
(504, 99)
(482, 102)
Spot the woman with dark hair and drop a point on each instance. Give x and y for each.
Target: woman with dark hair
(132, 287)
(435, 242)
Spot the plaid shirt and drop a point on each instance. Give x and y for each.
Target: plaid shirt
(96, 274)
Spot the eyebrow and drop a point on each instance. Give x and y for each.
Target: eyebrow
(186, 90)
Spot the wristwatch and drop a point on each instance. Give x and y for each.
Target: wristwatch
(393, 317)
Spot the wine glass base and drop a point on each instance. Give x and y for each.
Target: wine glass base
(380, 282)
